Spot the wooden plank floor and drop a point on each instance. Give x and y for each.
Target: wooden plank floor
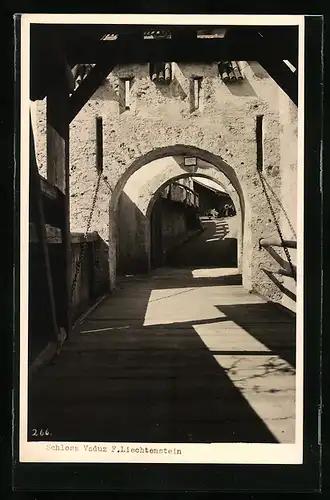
(182, 356)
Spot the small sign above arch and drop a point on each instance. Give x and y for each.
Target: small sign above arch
(190, 161)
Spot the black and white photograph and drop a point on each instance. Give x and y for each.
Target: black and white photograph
(161, 239)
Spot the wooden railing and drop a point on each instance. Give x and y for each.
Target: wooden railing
(276, 242)
(286, 268)
(92, 279)
(181, 193)
(49, 271)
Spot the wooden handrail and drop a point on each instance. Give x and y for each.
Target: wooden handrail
(80, 237)
(281, 271)
(49, 189)
(276, 242)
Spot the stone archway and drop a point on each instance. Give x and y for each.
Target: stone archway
(137, 189)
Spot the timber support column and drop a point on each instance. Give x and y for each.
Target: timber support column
(58, 174)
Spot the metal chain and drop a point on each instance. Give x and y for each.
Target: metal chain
(287, 253)
(82, 253)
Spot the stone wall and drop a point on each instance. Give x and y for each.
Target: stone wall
(136, 232)
(132, 220)
(162, 116)
(288, 198)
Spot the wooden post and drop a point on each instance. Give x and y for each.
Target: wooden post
(39, 219)
(58, 174)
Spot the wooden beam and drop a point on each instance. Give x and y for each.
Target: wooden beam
(192, 50)
(283, 76)
(282, 36)
(49, 190)
(53, 234)
(280, 270)
(48, 67)
(279, 45)
(57, 138)
(53, 203)
(58, 175)
(276, 242)
(76, 32)
(41, 234)
(279, 39)
(283, 263)
(86, 89)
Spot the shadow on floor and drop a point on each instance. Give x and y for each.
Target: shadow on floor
(268, 324)
(184, 279)
(144, 388)
(128, 382)
(210, 248)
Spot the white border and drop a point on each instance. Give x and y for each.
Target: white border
(174, 19)
(220, 453)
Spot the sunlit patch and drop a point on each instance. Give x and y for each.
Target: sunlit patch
(227, 336)
(214, 239)
(268, 384)
(214, 272)
(179, 305)
(195, 303)
(265, 380)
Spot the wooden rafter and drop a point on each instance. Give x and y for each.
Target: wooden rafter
(41, 234)
(279, 40)
(283, 76)
(287, 36)
(86, 89)
(272, 58)
(74, 31)
(49, 68)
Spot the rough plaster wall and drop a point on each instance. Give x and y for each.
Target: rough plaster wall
(133, 241)
(39, 125)
(289, 186)
(132, 250)
(161, 116)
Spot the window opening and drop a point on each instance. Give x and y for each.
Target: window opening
(259, 139)
(127, 95)
(99, 144)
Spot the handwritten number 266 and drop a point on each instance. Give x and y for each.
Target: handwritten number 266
(40, 432)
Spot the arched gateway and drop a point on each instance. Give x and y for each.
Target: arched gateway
(136, 191)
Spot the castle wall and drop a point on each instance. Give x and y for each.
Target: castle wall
(162, 116)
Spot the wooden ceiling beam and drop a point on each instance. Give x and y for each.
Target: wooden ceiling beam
(280, 40)
(48, 65)
(288, 38)
(282, 45)
(78, 30)
(86, 89)
(192, 50)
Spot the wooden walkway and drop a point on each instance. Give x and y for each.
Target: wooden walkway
(181, 356)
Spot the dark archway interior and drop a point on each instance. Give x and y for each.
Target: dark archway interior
(197, 229)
